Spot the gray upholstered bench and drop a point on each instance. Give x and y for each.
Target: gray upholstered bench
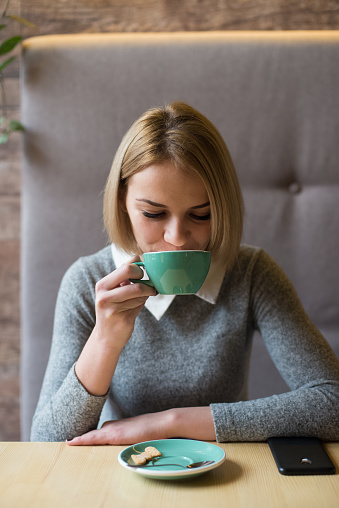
(273, 96)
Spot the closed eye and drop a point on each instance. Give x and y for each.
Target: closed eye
(154, 215)
(160, 215)
(201, 217)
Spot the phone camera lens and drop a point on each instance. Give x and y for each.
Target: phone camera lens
(306, 461)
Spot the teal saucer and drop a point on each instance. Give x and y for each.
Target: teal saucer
(174, 451)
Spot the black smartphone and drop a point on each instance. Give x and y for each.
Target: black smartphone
(300, 456)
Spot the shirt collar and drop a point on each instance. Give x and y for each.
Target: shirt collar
(159, 304)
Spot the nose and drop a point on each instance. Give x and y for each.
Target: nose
(176, 233)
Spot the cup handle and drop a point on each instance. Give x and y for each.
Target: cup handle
(146, 282)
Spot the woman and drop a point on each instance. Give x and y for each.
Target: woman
(151, 366)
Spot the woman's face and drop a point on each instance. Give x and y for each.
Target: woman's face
(169, 209)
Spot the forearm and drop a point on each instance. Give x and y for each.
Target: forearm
(70, 411)
(117, 305)
(96, 365)
(309, 411)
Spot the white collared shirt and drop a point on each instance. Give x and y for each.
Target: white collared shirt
(159, 304)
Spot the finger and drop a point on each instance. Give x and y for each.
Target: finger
(94, 437)
(125, 283)
(130, 295)
(123, 273)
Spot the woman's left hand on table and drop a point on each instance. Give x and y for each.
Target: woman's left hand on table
(192, 423)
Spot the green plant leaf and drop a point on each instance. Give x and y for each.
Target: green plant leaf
(9, 44)
(23, 21)
(14, 125)
(7, 62)
(2, 26)
(3, 138)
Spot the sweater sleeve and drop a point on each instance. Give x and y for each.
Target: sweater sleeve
(303, 358)
(65, 409)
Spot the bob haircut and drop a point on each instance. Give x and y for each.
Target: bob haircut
(180, 134)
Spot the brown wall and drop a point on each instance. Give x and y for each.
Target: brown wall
(73, 16)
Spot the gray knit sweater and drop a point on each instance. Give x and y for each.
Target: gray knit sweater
(197, 354)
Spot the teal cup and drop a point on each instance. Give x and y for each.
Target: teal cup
(179, 272)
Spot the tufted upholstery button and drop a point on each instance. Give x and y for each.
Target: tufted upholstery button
(294, 188)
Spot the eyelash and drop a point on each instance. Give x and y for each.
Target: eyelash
(162, 214)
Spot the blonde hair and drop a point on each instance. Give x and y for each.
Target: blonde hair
(180, 134)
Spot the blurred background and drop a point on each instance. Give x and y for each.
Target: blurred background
(94, 16)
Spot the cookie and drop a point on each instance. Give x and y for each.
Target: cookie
(149, 454)
(139, 460)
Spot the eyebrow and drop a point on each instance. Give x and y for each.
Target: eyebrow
(153, 203)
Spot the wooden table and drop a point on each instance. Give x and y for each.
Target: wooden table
(46, 475)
